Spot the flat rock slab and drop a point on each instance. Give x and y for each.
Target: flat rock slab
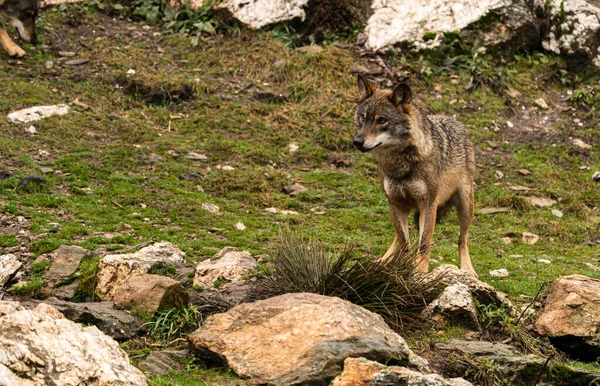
(65, 261)
(162, 362)
(228, 265)
(41, 347)
(151, 293)
(36, 113)
(114, 270)
(571, 316)
(119, 325)
(297, 339)
(361, 371)
(259, 13)
(9, 265)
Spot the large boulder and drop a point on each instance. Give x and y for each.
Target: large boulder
(361, 371)
(115, 270)
(151, 293)
(455, 306)
(9, 265)
(41, 347)
(226, 267)
(298, 338)
(119, 325)
(571, 316)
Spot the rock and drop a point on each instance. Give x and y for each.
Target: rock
(5, 174)
(545, 261)
(361, 371)
(293, 147)
(9, 265)
(571, 316)
(31, 130)
(259, 13)
(579, 143)
(509, 124)
(541, 103)
(119, 325)
(65, 261)
(510, 366)
(31, 179)
(212, 208)
(498, 174)
(46, 170)
(596, 176)
(162, 362)
(455, 306)
(313, 334)
(530, 238)
(492, 210)
(228, 266)
(66, 292)
(311, 49)
(540, 201)
(36, 113)
(294, 189)
(196, 156)
(114, 270)
(557, 213)
(520, 188)
(484, 293)
(150, 293)
(524, 172)
(41, 347)
(239, 226)
(502, 272)
(281, 211)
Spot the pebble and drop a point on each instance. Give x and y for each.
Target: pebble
(502, 272)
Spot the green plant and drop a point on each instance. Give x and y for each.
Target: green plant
(173, 323)
(88, 269)
(40, 267)
(8, 241)
(584, 97)
(163, 269)
(32, 287)
(393, 289)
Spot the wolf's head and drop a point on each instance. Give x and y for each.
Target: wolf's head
(21, 14)
(383, 117)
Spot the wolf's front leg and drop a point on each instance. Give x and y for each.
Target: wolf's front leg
(401, 242)
(9, 46)
(426, 227)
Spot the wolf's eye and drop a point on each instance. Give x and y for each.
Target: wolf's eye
(382, 121)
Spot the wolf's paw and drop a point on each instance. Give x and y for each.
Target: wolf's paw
(16, 52)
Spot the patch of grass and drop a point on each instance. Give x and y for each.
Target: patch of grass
(173, 323)
(87, 271)
(32, 287)
(198, 377)
(163, 269)
(40, 267)
(8, 241)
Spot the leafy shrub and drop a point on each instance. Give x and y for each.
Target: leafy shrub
(173, 323)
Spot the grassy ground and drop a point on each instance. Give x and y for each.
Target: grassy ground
(121, 177)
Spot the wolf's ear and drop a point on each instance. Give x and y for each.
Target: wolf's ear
(366, 89)
(402, 97)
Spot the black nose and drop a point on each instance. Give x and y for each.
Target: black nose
(358, 142)
(34, 40)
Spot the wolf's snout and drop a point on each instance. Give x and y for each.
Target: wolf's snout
(359, 142)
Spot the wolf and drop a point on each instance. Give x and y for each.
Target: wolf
(21, 14)
(426, 163)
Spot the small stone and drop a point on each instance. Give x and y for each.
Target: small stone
(212, 208)
(579, 143)
(544, 261)
(592, 266)
(9, 265)
(49, 64)
(196, 156)
(541, 103)
(596, 176)
(502, 272)
(506, 240)
(131, 71)
(498, 174)
(293, 147)
(127, 226)
(509, 124)
(66, 53)
(311, 49)
(519, 188)
(239, 226)
(530, 238)
(37, 112)
(524, 172)
(557, 213)
(31, 129)
(492, 210)
(540, 201)
(227, 167)
(294, 189)
(46, 170)
(515, 256)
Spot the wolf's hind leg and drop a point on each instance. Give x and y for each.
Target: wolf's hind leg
(9, 46)
(465, 208)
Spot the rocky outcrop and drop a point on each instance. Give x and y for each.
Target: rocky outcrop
(226, 267)
(114, 270)
(9, 265)
(151, 293)
(119, 325)
(162, 362)
(259, 13)
(41, 347)
(298, 338)
(571, 316)
(361, 371)
(504, 363)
